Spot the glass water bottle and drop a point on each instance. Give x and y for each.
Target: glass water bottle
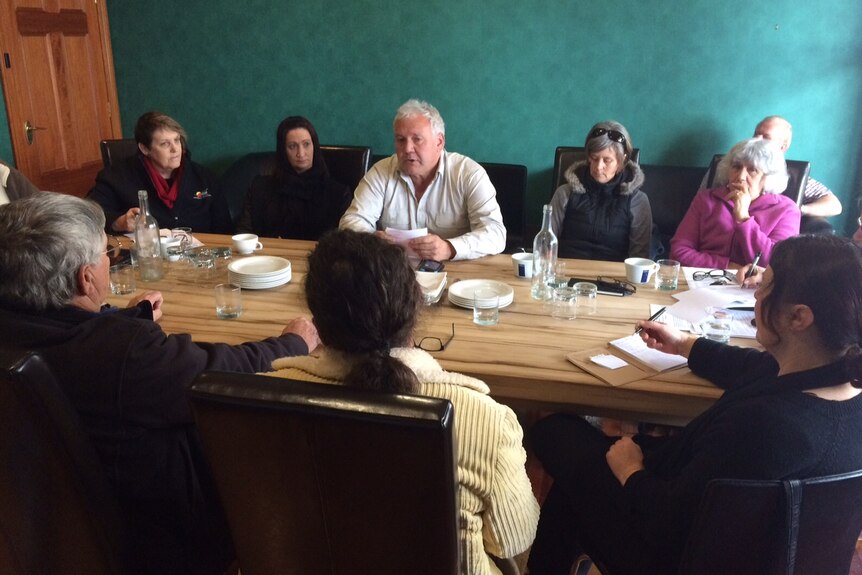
(147, 246)
(544, 258)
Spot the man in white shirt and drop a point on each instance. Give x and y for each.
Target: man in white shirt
(424, 186)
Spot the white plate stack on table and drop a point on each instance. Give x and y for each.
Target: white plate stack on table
(259, 272)
(462, 293)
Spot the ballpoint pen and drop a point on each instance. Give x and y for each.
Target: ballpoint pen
(653, 317)
(753, 267)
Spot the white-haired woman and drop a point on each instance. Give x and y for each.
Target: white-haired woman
(600, 213)
(745, 215)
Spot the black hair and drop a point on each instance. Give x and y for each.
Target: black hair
(824, 273)
(364, 298)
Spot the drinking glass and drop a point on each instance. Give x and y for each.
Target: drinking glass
(228, 299)
(486, 307)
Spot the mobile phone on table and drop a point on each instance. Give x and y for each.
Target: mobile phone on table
(430, 266)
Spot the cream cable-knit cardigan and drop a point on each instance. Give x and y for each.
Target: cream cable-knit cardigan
(498, 511)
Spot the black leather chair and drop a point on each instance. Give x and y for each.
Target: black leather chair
(565, 156)
(58, 513)
(670, 190)
(807, 526)
(237, 178)
(320, 478)
(347, 164)
(510, 181)
(797, 171)
(117, 150)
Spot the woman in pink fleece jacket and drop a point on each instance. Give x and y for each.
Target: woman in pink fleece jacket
(747, 214)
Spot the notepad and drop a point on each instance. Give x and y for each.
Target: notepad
(634, 348)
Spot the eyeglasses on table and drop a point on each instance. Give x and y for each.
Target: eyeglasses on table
(719, 277)
(431, 343)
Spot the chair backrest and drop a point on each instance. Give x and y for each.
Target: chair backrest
(58, 513)
(797, 172)
(670, 190)
(776, 527)
(565, 156)
(114, 151)
(510, 181)
(347, 164)
(236, 180)
(318, 478)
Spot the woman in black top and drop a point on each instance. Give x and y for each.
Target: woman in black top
(792, 411)
(181, 192)
(299, 200)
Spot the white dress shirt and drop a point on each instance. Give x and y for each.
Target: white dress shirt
(460, 205)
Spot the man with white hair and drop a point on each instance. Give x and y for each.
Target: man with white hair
(424, 186)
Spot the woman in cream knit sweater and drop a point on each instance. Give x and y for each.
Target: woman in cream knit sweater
(365, 300)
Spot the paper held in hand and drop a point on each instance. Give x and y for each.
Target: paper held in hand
(634, 348)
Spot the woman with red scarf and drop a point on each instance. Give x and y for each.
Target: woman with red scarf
(181, 192)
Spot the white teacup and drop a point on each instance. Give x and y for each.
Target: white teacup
(246, 243)
(522, 263)
(639, 270)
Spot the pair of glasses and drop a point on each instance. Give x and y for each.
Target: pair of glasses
(430, 343)
(626, 287)
(612, 135)
(719, 277)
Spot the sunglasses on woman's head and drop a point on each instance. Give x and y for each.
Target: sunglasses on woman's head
(613, 135)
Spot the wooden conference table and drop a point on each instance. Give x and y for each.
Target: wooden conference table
(522, 359)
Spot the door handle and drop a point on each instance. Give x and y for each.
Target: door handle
(29, 129)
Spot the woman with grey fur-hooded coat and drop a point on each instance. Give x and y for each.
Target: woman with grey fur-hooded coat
(595, 221)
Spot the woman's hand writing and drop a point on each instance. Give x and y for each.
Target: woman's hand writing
(666, 338)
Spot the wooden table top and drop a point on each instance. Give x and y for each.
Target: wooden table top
(522, 359)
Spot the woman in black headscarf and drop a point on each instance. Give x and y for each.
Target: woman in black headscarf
(299, 200)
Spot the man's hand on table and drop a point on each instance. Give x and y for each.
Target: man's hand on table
(304, 328)
(154, 297)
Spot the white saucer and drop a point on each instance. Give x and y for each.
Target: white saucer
(462, 293)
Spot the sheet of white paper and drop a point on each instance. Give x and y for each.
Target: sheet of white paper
(668, 318)
(658, 360)
(404, 236)
(609, 361)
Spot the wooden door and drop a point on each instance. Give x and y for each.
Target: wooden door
(61, 96)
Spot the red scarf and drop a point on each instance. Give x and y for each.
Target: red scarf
(167, 193)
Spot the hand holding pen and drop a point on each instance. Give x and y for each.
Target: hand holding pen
(750, 276)
(653, 317)
(666, 338)
(753, 267)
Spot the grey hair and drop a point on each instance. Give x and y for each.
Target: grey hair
(44, 240)
(594, 145)
(762, 155)
(414, 107)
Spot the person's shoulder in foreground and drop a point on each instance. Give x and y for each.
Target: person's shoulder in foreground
(124, 375)
(423, 186)
(14, 185)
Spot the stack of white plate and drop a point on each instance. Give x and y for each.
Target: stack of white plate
(259, 272)
(461, 293)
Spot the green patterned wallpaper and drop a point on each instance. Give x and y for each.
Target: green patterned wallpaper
(512, 78)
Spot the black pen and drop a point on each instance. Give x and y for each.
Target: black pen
(653, 317)
(751, 270)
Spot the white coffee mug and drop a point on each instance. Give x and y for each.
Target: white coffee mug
(522, 262)
(246, 243)
(639, 270)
